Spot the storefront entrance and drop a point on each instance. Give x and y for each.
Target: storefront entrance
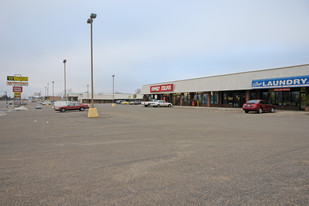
(239, 99)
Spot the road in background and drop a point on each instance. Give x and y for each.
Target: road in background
(132, 155)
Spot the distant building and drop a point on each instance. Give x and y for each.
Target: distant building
(103, 98)
(51, 98)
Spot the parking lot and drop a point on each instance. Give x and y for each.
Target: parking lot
(133, 155)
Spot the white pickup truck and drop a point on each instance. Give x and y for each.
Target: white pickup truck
(160, 103)
(147, 103)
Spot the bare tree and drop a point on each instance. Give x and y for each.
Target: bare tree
(137, 91)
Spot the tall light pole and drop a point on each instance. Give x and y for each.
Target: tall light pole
(92, 111)
(87, 92)
(53, 91)
(113, 88)
(47, 90)
(65, 84)
(6, 97)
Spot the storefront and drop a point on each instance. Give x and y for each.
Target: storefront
(286, 88)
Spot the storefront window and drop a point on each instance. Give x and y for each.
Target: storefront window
(176, 98)
(166, 97)
(287, 98)
(278, 98)
(205, 98)
(186, 97)
(295, 99)
(253, 95)
(228, 98)
(214, 98)
(271, 96)
(197, 96)
(265, 96)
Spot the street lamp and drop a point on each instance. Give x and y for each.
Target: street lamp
(88, 93)
(92, 111)
(47, 90)
(53, 91)
(65, 86)
(113, 88)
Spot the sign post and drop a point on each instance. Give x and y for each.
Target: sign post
(17, 81)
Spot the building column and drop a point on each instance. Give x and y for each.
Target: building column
(220, 99)
(208, 101)
(181, 99)
(247, 95)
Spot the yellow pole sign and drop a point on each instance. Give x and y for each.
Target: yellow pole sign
(17, 78)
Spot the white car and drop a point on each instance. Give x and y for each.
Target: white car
(148, 103)
(160, 103)
(38, 106)
(45, 102)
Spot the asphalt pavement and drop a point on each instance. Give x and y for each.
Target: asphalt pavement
(132, 155)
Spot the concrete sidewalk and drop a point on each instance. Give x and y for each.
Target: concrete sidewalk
(239, 109)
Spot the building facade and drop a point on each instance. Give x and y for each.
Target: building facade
(104, 98)
(284, 87)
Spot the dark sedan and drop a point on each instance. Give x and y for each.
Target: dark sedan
(258, 106)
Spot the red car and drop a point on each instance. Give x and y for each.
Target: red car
(258, 106)
(72, 106)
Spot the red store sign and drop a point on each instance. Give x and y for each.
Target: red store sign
(162, 88)
(282, 90)
(17, 89)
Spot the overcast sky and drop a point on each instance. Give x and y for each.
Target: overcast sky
(146, 41)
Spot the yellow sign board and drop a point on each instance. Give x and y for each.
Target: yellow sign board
(17, 78)
(17, 96)
(17, 93)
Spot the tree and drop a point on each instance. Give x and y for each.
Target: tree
(137, 91)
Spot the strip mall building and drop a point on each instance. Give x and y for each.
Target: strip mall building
(285, 88)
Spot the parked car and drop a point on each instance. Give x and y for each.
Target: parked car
(45, 103)
(258, 106)
(38, 106)
(147, 103)
(72, 106)
(125, 102)
(135, 102)
(118, 101)
(160, 103)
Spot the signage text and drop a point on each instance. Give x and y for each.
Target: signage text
(17, 89)
(299, 81)
(17, 78)
(162, 88)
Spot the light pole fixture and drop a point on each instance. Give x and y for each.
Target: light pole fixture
(92, 111)
(53, 92)
(65, 84)
(87, 93)
(113, 89)
(47, 90)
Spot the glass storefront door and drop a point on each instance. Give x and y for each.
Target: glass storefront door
(239, 99)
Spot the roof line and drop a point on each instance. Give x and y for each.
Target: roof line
(301, 65)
